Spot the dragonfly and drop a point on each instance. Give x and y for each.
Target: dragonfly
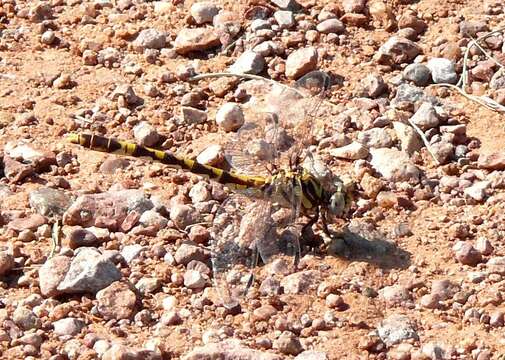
(274, 177)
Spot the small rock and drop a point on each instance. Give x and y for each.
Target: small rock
(31, 222)
(482, 245)
(264, 313)
(353, 151)
(212, 155)
(146, 134)
(331, 26)
(497, 318)
(127, 93)
(311, 355)
(299, 282)
(199, 193)
(197, 39)
(248, 63)
(48, 37)
(493, 161)
(183, 215)
(396, 295)
(396, 329)
(371, 185)
(52, 273)
(443, 151)
(116, 301)
(68, 326)
(374, 86)
(204, 12)
(471, 28)
(154, 219)
(398, 50)
(444, 289)
(285, 19)
(300, 62)
(186, 253)
(89, 271)
(466, 254)
(334, 301)
(375, 138)
(150, 39)
(148, 285)
(287, 343)
(6, 262)
(25, 318)
(15, 171)
(426, 117)
(442, 71)
(230, 117)
(228, 349)
(409, 139)
(64, 81)
(193, 116)
(394, 165)
(354, 6)
(430, 301)
(419, 74)
(478, 190)
(193, 279)
(49, 202)
(171, 318)
(411, 21)
(286, 4)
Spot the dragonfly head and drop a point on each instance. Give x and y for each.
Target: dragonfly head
(337, 201)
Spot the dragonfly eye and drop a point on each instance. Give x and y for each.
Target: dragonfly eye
(337, 203)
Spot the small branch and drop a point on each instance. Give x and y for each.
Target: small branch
(425, 140)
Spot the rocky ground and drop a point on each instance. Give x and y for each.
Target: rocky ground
(93, 262)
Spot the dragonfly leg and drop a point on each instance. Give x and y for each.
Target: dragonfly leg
(253, 265)
(328, 233)
(308, 238)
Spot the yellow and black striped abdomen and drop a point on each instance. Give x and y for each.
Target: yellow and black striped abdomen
(231, 179)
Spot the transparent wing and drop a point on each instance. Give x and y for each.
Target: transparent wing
(249, 228)
(279, 124)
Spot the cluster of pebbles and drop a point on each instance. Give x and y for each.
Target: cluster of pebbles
(110, 259)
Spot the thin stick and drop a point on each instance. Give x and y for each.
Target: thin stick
(244, 76)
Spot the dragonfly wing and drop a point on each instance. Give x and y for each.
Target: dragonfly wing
(238, 224)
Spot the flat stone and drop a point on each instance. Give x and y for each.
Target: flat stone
(300, 282)
(31, 222)
(285, 19)
(331, 26)
(249, 62)
(228, 349)
(49, 201)
(89, 271)
(300, 62)
(419, 74)
(117, 301)
(186, 253)
(493, 161)
(7, 262)
(396, 329)
(68, 326)
(394, 165)
(15, 171)
(197, 39)
(353, 151)
(191, 115)
(375, 138)
(398, 50)
(410, 140)
(204, 12)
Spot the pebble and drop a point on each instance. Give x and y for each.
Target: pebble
(375, 138)
(25, 318)
(7, 262)
(131, 252)
(89, 271)
(52, 273)
(15, 171)
(442, 71)
(49, 202)
(48, 37)
(484, 246)
(264, 313)
(443, 151)
(68, 326)
(64, 81)
(472, 28)
(145, 134)
(199, 193)
(230, 117)
(373, 86)
(426, 117)
(125, 92)
(183, 215)
(419, 74)
(398, 50)
(193, 116)
(193, 279)
(492, 161)
(171, 318)
(212, 155)
(394, 165)
(150, 39)
(396, 295)
(444, 289)
(466, 254)
(300, 282)
(249, 62)
(396, 329)
(186, 253)
(334, 301)
(148, 285)
(116, 301)
(287, 343)
(197, 39)
(300, 62)
(331, 26)
(478, 190)
(353, 151)
(497, 318)
(311, 355)
(108, 56)
(285, 19)
(154, 219)
(31, 222)
(409, 139)
(203, 12)
(228, 349)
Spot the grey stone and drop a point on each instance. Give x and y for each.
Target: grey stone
(419, 74)
(331, 26)
(300, 62)
(426, 117)
(353, 151)
(193, 116)
(204, 12)
(89, 271)
(398, 50)
(68, 326)
(146, 134)
(248, 63)
(394, 165)
(375, 138)
(285, 19)
(396, 329)
(228, 349)
(409, 139)
(230, 117)
(442, 71)
(150, 39)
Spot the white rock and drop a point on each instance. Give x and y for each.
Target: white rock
(204, 12)
(230, 117)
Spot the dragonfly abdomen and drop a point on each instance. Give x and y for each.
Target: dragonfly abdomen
(104, 144)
